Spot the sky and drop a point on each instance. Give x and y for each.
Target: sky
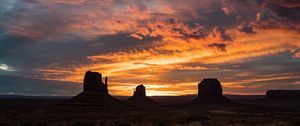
(251, 46)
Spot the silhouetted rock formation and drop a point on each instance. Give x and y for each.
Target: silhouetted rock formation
(140, 91)
(210, 87)
(139, 97)
(95, 94)
(93, 83)
(210, 93)
(283, 95)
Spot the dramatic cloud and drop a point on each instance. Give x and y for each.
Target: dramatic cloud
(148, 65)
(246, 29)
(168, 45)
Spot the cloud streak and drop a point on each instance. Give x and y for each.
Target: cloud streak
(166, 44)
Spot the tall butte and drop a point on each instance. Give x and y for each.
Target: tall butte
(210, 93)
(92, 83)
(95, 93)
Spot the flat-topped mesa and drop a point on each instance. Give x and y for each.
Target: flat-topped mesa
(210, 87)
(210, 93)
(92, 83)
(140, 91)
(283, 94)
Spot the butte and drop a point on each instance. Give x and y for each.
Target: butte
(210, 93)
(139, 98)
(95, 94)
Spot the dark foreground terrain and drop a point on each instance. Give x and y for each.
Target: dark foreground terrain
(172, 111)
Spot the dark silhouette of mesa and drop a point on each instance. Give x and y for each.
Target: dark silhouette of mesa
(210, 92)
(95, 93)
(283, 95)
(139, 97)
(94, 106)
(210, 87)
(92, 83)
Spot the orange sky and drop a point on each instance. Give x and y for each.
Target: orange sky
(127, 69)
(167, 45)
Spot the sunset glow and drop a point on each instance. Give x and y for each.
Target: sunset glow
(167, 45)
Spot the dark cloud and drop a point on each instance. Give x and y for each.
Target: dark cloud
(35, 25)
(25, 55)
(287, 9)
(221, 47)
(220, 32)
(285, 3)
(27, 86)
(246, 29)
(279, 13)
(213, 18)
